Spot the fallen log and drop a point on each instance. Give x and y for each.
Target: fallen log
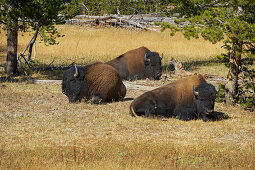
(113, 19)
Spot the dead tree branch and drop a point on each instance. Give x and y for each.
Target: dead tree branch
(32, 43)
(142, 21)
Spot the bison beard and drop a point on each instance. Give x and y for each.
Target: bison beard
(96, 82)
(139, 63)
(188, 98)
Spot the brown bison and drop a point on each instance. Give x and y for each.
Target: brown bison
(97, 82)
(188, 98)
(139, 63)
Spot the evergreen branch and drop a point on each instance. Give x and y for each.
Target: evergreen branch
(249, 43)
(2, 22)
(215, 4)
(220, 21)
(251, 12)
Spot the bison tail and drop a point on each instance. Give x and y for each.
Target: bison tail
(132, 112)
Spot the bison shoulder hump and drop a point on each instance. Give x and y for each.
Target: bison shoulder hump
(102, 72)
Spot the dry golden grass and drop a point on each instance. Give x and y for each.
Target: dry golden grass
(41, 130)
(85, 44)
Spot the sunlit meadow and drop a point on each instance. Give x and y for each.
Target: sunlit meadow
(41, 130)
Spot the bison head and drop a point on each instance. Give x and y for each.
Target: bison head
(73, 83)
(205, 95)
(152, 64)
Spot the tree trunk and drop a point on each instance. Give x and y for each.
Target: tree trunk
(232, 83)
(12, 41)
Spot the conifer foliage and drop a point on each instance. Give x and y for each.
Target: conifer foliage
(24, 14)
(230, 21)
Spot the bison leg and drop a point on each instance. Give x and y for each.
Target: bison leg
(163, 111)
(148, 113)
(148, 109)
(205, 118)
(97, 99)
(182, 116)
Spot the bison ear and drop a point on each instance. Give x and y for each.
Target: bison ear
(194, 92)
(146, 58)
(76, 71)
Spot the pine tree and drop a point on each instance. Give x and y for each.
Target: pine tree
(230, 21)
(24, 14)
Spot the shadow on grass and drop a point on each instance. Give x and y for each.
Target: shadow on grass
(12, 79)
(128, 99)
(51, 75)
(27, 75)
(192, 65)
(38, 71)
(217, 116)
(46, 71)
(100, 103)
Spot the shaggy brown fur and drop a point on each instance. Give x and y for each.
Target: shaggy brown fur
(104, 80)
(177, 99)
(131, 65)
(98, 82)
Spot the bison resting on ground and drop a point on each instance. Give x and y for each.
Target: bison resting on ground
(188, 98)
(139, 63)
(97, 82)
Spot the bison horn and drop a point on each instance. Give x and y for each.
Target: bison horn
(145, 58)
(194, 92)
(161, 56)
(76, 71)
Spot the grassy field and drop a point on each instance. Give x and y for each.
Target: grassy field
(85, 44)
(41, 130)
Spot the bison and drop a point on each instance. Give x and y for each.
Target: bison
(97, 82)
(138, 64)
(188, 98)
